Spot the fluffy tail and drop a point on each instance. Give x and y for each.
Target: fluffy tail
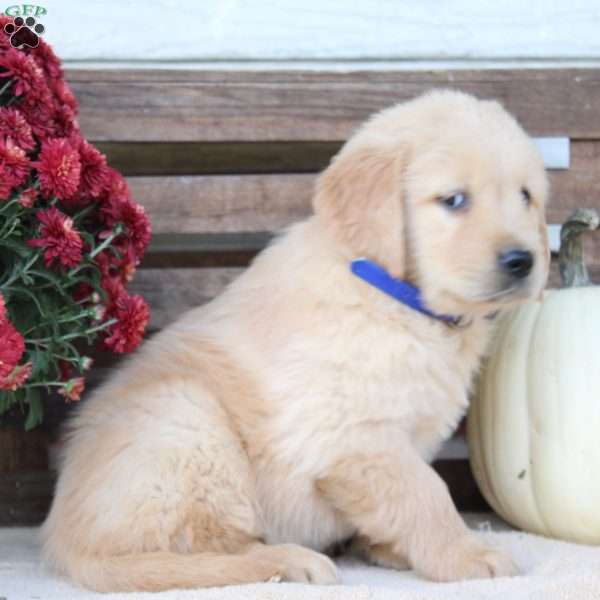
(158, 571)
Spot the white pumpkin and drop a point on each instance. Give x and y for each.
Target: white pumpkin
(533, 428)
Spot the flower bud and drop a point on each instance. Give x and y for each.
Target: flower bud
(85, 363)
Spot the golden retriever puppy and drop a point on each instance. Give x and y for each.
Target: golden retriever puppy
(301, 406)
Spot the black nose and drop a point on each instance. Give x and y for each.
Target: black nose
(517, 263)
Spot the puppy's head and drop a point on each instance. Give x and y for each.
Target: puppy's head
(448, 192)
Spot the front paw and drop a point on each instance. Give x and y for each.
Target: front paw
(469, 558)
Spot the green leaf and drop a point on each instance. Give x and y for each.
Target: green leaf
(52, 278)
(36, 409)
(48, 276)
(19, 248)
(7, 399)
(88, 238)
(32, 297)
(40, 363)
(27, 279)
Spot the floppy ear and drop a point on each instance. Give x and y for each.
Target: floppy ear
(359, 200)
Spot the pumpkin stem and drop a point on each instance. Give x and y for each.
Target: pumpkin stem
(573, 272)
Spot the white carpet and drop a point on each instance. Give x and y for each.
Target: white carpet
(552, 570)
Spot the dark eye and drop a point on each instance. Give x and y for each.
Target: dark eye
(526, 196)
(457, 201)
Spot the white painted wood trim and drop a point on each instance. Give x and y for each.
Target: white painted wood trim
(554, 237)
(556, 152)
(322, 30)
(340, 66)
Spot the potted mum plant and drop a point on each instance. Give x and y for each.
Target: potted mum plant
(70, 240)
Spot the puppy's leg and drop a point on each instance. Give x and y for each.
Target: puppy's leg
(399, 501)
(296, 563)
(382, 555)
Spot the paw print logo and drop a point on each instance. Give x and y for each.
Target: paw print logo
(24, 32)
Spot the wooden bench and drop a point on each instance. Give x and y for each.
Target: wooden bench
(221, 159)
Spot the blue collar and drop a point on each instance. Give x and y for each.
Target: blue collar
(396, 288)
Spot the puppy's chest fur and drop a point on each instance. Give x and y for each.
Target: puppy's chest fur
(371, 386)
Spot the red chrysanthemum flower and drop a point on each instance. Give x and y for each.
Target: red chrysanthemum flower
(4, 39)
(64, 94)
(64, 123)
(116, 187)
(17, 377)
(94, 172)
(12, 346)
(4, 42)
(2, 308)
(45, 58)
(14, 167)
(109, 264)
(83, 292)
(114, 288)
(6, 184)
(132, 316)
(121, 265)
(28, 197)
(59, 169)
(14, 126)
(72, 389)
(14, 162)
(64, 369)
(136, 236)
(105, 261)
(39, 113)
(27, 76)
(128, 268)
(60, 240)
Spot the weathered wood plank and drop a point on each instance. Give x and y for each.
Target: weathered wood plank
(580, 184)
(170, 292)
(203, 250)
(216, 158)
(223, 106)
(229, 203)
(207, 250)
(224, 203)
(25, 497)
(19, 452)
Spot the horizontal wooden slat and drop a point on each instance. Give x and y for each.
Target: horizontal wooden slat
(267, 202)
(25, 497)
(580, 184)
(208, 250)
(204, 249)
(222, 158)
(251, 106)
(197, 158)
(224, 203)
(170, 292)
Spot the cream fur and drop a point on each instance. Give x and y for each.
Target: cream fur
(301, 406)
